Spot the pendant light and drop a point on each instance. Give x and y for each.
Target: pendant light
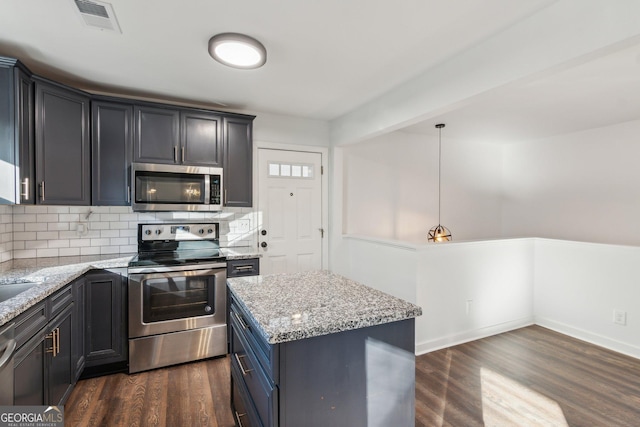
(439, 233)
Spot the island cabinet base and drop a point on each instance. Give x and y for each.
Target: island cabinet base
(361, 377)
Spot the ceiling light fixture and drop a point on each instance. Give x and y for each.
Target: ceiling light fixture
(237, 50)
(439, 233)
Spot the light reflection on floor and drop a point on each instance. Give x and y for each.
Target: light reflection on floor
(506, 402)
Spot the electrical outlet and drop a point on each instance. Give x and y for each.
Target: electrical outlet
(619, 317)
(243, 225)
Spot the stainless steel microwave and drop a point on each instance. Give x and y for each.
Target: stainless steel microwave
(158, 187)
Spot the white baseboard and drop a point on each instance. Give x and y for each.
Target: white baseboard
(599, 340)
(471, 335)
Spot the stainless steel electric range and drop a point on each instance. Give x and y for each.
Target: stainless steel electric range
(177, 295)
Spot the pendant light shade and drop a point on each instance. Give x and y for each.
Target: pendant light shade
(439, 233)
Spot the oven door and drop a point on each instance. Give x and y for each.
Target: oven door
(167, 300)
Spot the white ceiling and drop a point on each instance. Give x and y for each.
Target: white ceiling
(325, 59)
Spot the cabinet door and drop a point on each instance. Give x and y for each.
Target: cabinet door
(26, 155)
(238, 161)
(201, 142)
(105, 327)
(157, 137)
(62, 146)
(29, 372)
(61, 369)
(111, 148)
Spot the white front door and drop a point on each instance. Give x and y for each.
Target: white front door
(289, 211)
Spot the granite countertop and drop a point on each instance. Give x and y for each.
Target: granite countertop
(51, 274)
(244, 252)
(289, 307)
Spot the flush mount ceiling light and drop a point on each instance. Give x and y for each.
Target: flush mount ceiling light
(237, 51)
(439, 233)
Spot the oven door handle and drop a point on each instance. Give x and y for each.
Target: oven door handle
(197, 269)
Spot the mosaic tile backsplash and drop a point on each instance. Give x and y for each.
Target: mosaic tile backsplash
(51, 231)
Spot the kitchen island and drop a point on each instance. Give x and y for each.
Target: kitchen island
(318, 349)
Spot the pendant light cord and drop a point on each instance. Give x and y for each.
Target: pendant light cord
(439, 126)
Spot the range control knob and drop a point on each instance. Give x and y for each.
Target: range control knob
(158, 231)
(147, 232)
(210, 231)
(201, 231)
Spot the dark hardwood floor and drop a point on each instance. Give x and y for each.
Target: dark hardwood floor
(528, 377)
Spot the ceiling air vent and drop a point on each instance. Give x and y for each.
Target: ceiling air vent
(98, 14)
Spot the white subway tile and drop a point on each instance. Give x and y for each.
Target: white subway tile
(19, 245)
(24, 218)
(133, 241)
(92, 234)
(99, 242)
(99, 226)
(58, 209)
(69, 251)
(69, 217)
(35, 226)
(90, 251)
(35, 209)
(18, 227)
(18, 209)
(83, 210)
(47, 217)
(109, 250)
(71, 234)
(109, 233)
(117, 225)
(119, 209)
(43, 253)
(29, 235)
(30, 253)
(128, 249)
(118, 241)
(128, 233)
(109, 217)
(58, 243)
(79, 243)
(36, 244)
(128, 217)
(58, 226)
(47, 235)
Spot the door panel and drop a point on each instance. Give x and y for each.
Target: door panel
(290, 201)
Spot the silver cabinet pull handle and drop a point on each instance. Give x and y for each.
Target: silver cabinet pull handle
(182, 153)
(238, 418)
(175, 154)
(25, 184)
(8, 353)
(42, 192)
(244, 267)
(240, 320)
(128, 194)
(244, 371)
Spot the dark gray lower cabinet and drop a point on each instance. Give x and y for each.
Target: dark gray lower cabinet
(355, 378)
(105, 311)
(45, 366)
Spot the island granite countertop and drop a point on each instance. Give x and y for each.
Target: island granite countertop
(289, 307)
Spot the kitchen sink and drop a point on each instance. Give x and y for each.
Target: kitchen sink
(8, 291)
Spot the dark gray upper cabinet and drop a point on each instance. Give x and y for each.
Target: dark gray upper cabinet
(111, 152)
(238, 161)
(62, 145)
(16, 132)
(200, 138)
(177, 136)
(157, 135)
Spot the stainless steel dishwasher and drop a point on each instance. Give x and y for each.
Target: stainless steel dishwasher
(7, 349)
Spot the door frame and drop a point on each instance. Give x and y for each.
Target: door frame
(324, 214)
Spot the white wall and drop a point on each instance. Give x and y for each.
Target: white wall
(390, 188)
(582, 186)
(578, 285)
(571, 287)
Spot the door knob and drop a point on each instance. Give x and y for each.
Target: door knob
(263, 232)
(263, 244)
